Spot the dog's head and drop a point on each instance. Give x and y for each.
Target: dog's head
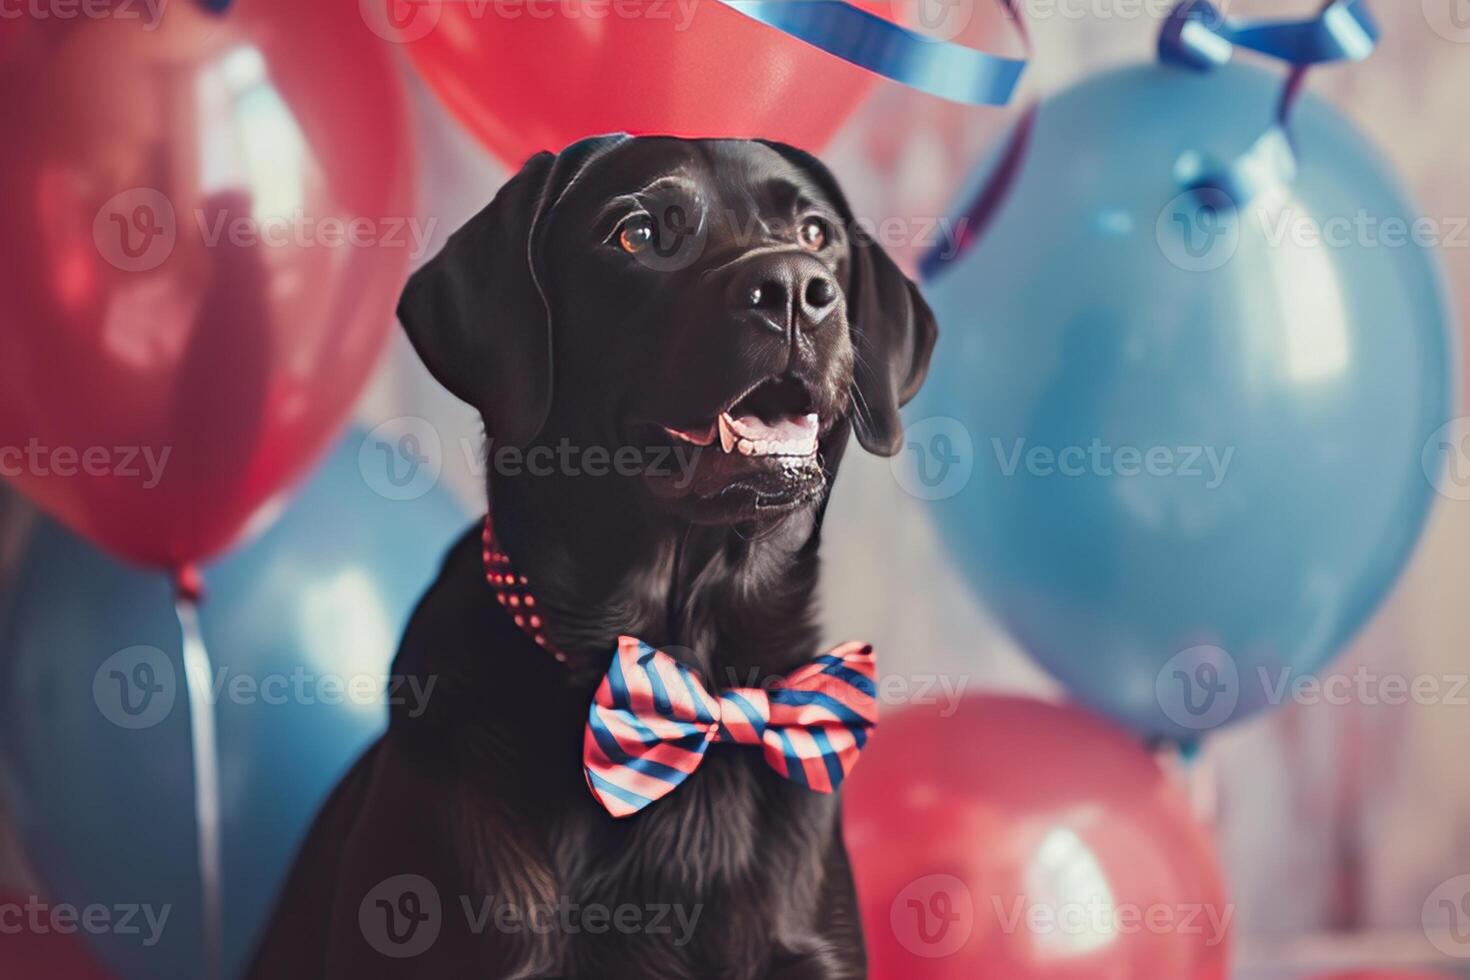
(714, 296)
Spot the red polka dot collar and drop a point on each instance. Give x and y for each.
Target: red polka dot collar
(513, 592)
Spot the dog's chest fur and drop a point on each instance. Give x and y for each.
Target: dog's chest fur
(732, 861)
(728, 873)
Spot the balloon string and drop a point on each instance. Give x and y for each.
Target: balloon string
(1192, 767)
(976, 218)
(202, 723)
(990, 197)
(1297, 78)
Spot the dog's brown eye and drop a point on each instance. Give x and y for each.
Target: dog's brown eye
(812, 235)
(637, 234)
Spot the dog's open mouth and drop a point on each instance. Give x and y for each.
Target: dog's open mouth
(758, 454)
(771, 419)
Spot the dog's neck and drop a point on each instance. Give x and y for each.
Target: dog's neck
(734, 602)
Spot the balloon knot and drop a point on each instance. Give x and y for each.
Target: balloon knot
(189, 584)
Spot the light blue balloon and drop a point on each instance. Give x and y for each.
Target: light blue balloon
(98, 772)
(1193, 435)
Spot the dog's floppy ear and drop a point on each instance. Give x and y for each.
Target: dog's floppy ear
(475, 313)
(893, 329)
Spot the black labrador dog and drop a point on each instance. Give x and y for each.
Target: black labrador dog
(707, 314)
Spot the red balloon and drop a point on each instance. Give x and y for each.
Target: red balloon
(40, 942)
(1026, 841)
(530, 75)
(209, 223)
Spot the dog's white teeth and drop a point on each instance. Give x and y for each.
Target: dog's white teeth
(726, 425)
(750, 436)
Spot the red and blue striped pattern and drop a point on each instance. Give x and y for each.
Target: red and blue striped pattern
(652, 720)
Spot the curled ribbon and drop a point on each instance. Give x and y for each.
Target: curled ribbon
(943, 68)
(1197, 35)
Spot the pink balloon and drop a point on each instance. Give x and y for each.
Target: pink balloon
(1026, 841)
(206, 231)
(556, 72)
(537, 82)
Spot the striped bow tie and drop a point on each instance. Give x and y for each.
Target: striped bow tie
(652, 720)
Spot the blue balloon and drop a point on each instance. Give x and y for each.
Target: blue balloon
(301, 625)
(1192, 431)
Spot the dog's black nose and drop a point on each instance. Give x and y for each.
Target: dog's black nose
(787, 291)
